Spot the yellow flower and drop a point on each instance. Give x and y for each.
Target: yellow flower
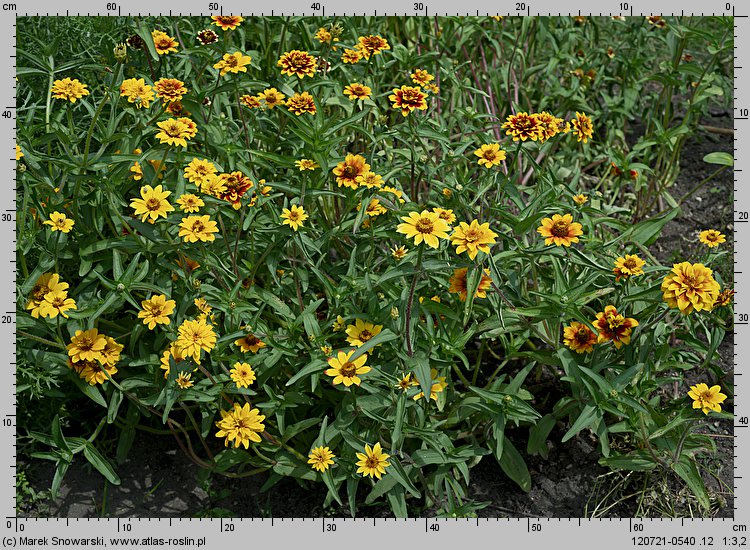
(46, 283)
(347, 371)
(629, 266)
(94, 372)
(199, 171)
(137, 171)
(351, 56)
(297, 62)
(370, 180)
(406, 382)
(408, 98)
(173, 132)
(705, 398)
(522, 126)
(613, 326)
(346, 172)
(374, 208)
(198, 228)
(207, 36)
(175, 353)
(579, 337)
(202, 305)
(241, 425)
(438, 384)
(242, 374)
(326, 349)
(183, 380)
(227, 22)
(338, 324)
(111, 352)
(294, 217)
(373, 462)
(425, 226)
(690, 287)
(190, 203)
(56, 302)
(301, 103)
(459, 285)
(399, 253)
(156, 310)
(250, 101)
(59, 222)
(86, 345)
(163, 42)
(580, 199)
(712, 238)
(582, 127)
(234, 63)
(321, 458)
(69, 89)
(447, 192)
(170, 89)
(195, 336)
(250, 343)
(420, 77)
(355, 91)
(362, 331)
(472, 238)
(152, 204)
(372, 45)
(549, 125)
(490, 155)
(306, 164)
(137, 92)
(19, 153)
(724, 298)
(272, 97)
(560, 230)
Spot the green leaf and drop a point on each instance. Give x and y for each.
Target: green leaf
(327, 478)
(144, 32)
(385, 336)
(719, 157)
(588, 415)
(637, 461)
(514, 467)
(422, 372)
(538, 435)
(92, 392)
(58, 436)
(101, 464)
(397, 471)
(62, 467)
(114, 406)
(687, 470)
(397, 500)
(316, 366)
(398, 422)
(351, 492)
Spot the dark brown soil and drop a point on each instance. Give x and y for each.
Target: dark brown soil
(157, 480)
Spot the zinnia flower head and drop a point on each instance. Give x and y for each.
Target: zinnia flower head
(156, 310)
(459, 283)
(69, 89)
(522, 126)
(207, 36)
(233, 63)
(705, 398)
(424, 226)
(294, 217)
(59, 222)
(372, 45)
(473, 237)
(582, 127)
(194, 336)
(420, 77)
(163, 42)
(356, 91)
(560, 230)
(56, 302)
(198, 228)
(712, 238)
(297, 63)
(580, 199)
(362, 331)
(346, 371)
(199, 171)
(240, 426)
(250, 342)
(271, 98)
(184, 381)
(170, 89)
(86, 345)
(490, 155)
(725, 297)
(373, 462)
(690, 287)
(613, 326)
(242, 374)
(173, 131)
(227, 22)
(351, 56)
(301, 103)
(549, 125)
(408, 98)
(137, 91)
(579, 337)
(346, 172)
(190, 203)
(46, 283)
(629, 266)
(321, 458)
(306, 164)
(152, 204)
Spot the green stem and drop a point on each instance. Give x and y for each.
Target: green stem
(410, 300)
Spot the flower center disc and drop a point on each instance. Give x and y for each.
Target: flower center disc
(560, 229)
(424, 225)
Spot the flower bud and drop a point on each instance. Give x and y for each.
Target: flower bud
(121, 53)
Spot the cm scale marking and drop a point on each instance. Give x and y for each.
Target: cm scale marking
(363, 533)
